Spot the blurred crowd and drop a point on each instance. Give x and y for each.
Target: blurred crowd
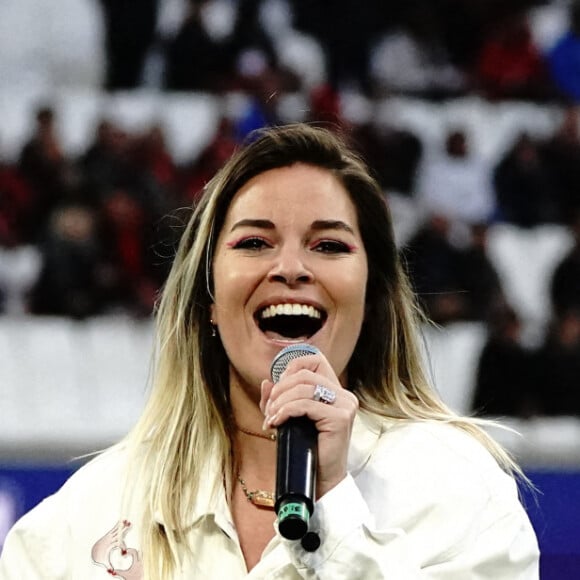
(425, 48)
(94, 233)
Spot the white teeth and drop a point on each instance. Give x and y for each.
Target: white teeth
(290, 310)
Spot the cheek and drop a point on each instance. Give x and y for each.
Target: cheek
(231, 288)
(221, 290)
(354, 293)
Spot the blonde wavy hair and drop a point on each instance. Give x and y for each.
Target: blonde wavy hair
(186, 423)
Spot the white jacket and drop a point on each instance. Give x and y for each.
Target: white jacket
(422, 501)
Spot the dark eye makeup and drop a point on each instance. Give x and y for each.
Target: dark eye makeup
(331, 247)
(250, 243)
(321, 246)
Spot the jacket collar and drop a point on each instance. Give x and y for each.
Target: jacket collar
(211, 499)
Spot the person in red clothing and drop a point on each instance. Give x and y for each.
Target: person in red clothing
(510, 65)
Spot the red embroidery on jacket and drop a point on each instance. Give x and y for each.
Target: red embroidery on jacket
(112, 553)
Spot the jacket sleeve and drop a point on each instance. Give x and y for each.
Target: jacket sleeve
(500, 543)
(36, 546)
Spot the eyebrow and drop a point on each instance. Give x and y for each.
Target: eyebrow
(262, 224)
(317, 225)
(331, 225)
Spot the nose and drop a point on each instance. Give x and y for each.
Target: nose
(290, 268)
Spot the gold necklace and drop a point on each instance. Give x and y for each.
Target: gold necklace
(269, 436)
(259, 497)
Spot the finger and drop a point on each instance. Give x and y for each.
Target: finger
(306, 390)
(301, 391)
(304, 376)
(316, 363)
(298, 386)
(311, 361)
(265, 390)
(318, 412)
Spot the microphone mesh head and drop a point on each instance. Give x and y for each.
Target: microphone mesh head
(287, 354)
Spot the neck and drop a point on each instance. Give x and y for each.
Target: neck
(256, 456)
(245, 404)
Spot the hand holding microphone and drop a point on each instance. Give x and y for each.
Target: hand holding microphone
(314, 416)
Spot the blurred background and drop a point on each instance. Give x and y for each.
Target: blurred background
(115, 113)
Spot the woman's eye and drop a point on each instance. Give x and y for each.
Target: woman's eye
(331, 247)
(251, 244)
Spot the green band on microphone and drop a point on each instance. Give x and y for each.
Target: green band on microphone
(295, 509)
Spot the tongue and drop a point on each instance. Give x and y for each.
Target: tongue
(276, 336)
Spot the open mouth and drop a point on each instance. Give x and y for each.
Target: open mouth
(290, 321)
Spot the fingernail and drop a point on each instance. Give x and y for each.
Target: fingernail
(272, 420)
(265, 423)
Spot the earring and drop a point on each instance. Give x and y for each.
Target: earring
(213, 329)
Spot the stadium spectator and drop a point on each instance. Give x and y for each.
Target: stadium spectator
(194, 59)
(299, 52)
(464, 24)
(129, 34)
(101, 164)
(194, 175)
(412, 59)
(16, 207)
(346, 33)
(509, 64)
(393, 154)
(400, 166)
(135, 266)
(456, 182)
(257, 71)
(557, 367)
(562, 155)
(44, 167)
(455, 281)
(564, 58)
(251, 49)
(136, 175)
(155, 161)
(263, 92)
(565, 283)
(505, 379)
(480, 280)
(434, 267)
(524, 185)
(71, 280)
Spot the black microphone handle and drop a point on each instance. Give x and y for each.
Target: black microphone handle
(296, 459)
(296, 476)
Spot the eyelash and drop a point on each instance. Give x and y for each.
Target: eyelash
(321, 246)
(331, 247)
(252, 243)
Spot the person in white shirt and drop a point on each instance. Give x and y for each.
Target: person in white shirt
(291, 243)
(456, 182)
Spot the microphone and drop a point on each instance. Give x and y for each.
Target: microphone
(296, 459)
